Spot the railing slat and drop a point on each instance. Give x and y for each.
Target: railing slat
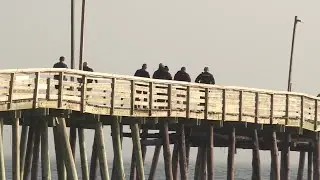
(36, 89)
(10, 98)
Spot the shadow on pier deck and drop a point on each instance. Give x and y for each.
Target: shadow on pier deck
(159, 113)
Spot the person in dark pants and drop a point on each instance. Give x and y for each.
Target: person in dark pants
(59, 64)
(182, 75)
(205, 77)
(142, 73)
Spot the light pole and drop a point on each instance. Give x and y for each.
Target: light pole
(82, 32)
(296, 20)
(72, 34)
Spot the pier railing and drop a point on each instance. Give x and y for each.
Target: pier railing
(108, 94)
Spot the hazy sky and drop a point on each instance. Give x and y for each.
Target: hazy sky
(244, 43)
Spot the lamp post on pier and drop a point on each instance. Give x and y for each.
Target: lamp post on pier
(296, 20)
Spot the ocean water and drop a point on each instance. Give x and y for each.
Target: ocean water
(242, 171)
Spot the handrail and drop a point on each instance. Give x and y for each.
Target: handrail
(143, 97)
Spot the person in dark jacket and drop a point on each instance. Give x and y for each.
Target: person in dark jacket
(182, 75)
(167, 73)
(142, 72)
(205, 77)
(85, 67)
(59, 64)
(159, 73)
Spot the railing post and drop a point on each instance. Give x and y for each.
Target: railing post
(60, 90)
(36, 89)
(316, 115)
(271, 107)
(287, 109)
(48, 89)
(83, 93)
(223, 105)
(10, 98)
(240, 104)
(133, 92)
(150, 98)
(188, 103)
(256, 108)
(113, 92)
(206, 103)
(169, 99)
(302, 114)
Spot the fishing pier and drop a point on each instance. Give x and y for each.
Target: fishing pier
(159, 113)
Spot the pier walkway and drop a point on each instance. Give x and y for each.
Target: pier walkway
(183, 114)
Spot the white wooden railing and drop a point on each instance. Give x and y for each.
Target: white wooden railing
(132, 96)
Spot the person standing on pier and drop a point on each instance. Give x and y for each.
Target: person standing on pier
(205, 77)
(167, 74)
(85, 67)
(59, 64)
(162, 73)
(142, 73)
(182, 75)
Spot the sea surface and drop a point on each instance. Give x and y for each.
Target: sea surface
(242, 171)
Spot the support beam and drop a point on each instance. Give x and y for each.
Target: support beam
(67, 153)
(2, 166)
(175, 161)
(274, 157)
(154, 162)
(182, 153)
(117, 149)
(166, 152)
(45, 157)
(310, 165)
(29, 152)
(23, 146)
(15, 150)
(137, 150)
(316, 157)
(114, 170)
(102, 153)
(210, 154)
(94, 159)
(59, 157)
(83, 155)
(231, 152)
(285, 157)
(36, 153)
(301, 165)
(256, 170)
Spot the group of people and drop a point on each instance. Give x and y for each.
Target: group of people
(161, 73)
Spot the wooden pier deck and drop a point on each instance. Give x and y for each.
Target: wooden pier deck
(185, 115)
